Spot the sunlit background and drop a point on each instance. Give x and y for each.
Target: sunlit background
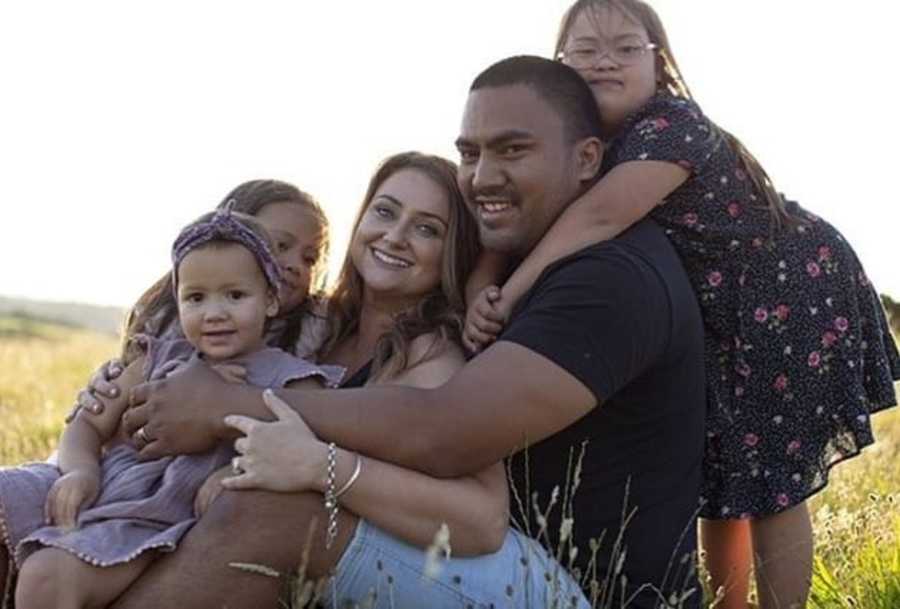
(122, 121)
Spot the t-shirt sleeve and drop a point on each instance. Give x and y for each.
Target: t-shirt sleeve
(672, 130)
(276, 368)
(604, 318)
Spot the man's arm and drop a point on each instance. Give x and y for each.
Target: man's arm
(504, 398)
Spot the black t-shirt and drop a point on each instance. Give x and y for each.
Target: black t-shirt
(621, 317)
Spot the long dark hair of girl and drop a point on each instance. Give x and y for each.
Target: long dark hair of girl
(671, 80)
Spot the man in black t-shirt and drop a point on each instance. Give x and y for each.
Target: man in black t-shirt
(619, 332)
(599, 372)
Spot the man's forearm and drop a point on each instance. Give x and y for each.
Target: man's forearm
(387, 422)
(391, 423)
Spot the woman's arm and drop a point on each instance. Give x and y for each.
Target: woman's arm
(412, 505)
(622, 197)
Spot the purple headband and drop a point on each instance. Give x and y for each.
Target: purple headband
(224, 226)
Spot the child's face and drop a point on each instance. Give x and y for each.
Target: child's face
(298, 242)
(619, 89)
(223, 301)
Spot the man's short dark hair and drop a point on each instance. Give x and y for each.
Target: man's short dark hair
(558, 84)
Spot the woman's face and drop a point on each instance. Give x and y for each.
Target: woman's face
(297, 235)
(398, 246)
(619, 89)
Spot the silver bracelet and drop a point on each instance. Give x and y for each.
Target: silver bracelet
(356, 469)
(331, 504)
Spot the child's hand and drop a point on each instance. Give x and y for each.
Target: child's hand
(100, 386)
(485, 319)
(79, 488)
(211, 489)
(231, 373)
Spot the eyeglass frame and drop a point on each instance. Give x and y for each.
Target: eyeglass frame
(599, 53)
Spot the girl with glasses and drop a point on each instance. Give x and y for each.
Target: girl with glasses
(799, 354)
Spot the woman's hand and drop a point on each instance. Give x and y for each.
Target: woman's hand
(72, 491)
(485, 319)
(99, 386)
(211, 489)
(283, 455)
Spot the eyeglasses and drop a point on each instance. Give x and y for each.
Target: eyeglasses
(583, 56)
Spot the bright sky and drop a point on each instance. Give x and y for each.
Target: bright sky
(122, 121)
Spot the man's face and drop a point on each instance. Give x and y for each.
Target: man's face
(517, 169)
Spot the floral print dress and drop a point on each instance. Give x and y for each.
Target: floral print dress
(798, 349)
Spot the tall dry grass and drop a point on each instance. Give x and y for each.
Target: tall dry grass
(42, 368)
(856, 519)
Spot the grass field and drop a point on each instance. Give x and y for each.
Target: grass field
(856, 519)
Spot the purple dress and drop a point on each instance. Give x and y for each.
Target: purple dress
(798, 350)
(142, 505)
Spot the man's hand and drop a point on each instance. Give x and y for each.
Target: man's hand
(69, 494)
(181, 414)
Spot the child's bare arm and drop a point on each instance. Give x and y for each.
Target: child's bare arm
(81, 440)
(484, 320)
(489, 270)
(622, 197)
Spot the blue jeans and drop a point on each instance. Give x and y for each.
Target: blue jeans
(379, 571)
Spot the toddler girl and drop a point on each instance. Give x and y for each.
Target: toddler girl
(87, 529)
(300, 234)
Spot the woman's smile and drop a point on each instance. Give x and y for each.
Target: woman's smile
(392, 262)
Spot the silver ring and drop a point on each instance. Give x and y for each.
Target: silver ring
(236, 468)
(142, 434)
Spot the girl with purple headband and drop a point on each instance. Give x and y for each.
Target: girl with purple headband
(102, 512)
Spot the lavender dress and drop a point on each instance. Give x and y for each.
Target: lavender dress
(142, 505)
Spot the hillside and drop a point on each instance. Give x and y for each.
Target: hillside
(107, 320)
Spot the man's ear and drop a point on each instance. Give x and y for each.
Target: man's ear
(271, 304)
(589, 157)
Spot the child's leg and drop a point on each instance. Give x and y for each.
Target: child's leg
(729, 556)
(53, 578)
(783, 548)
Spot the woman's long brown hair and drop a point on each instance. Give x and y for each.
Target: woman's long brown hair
(442, 310)
(671, 80)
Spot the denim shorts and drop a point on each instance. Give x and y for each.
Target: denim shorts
(378, 571)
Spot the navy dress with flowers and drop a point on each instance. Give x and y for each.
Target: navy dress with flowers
(798, 350)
